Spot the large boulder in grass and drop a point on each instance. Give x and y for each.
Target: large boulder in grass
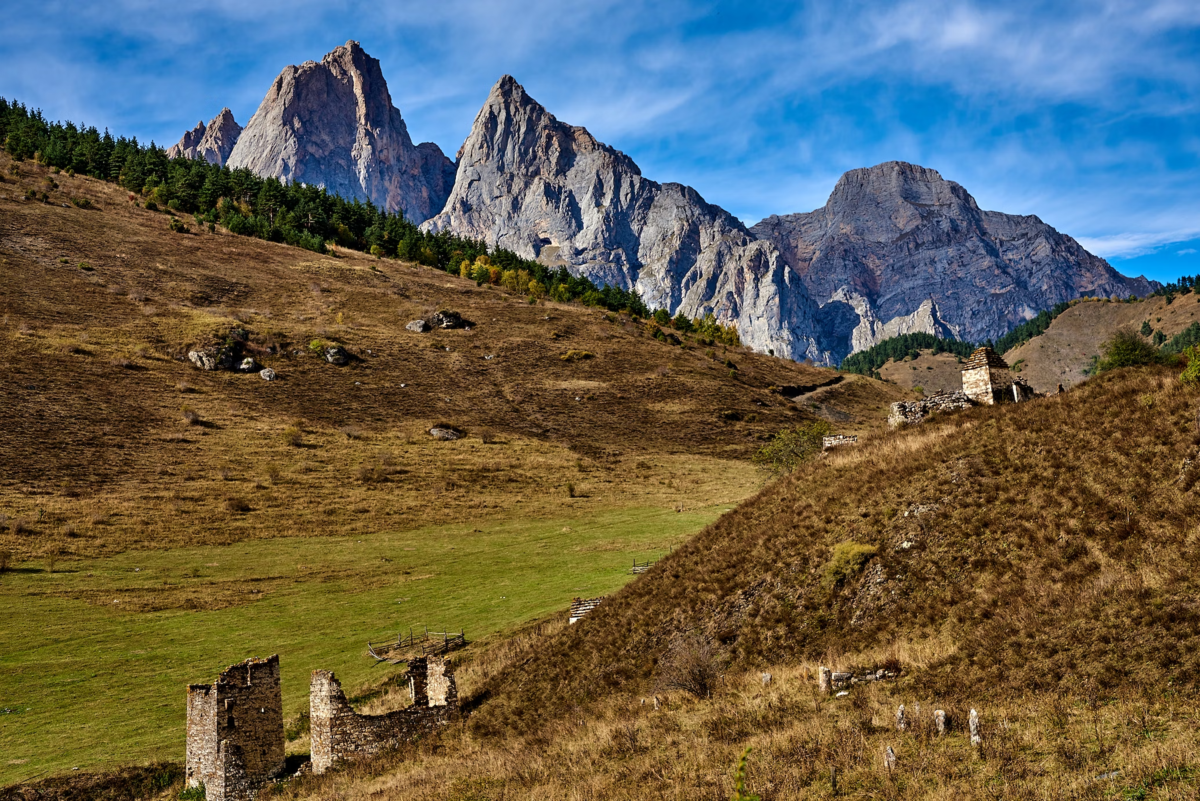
(267, 375)
(202, 359)
(445, 433)
(418, 326)
(336, 354)
(449, 319)
(248, 365)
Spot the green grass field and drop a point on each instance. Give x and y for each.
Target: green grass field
(89, 684)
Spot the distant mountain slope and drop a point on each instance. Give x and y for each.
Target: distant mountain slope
(898, 240)
(213, 142)
(545, 189)
(1060, 355)
(332, 124)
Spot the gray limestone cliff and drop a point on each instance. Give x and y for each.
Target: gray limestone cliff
(547, 190)
(898, 249)
(213, 142)
(332, 124)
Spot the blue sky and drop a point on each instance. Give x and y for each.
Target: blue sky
(1086, 114)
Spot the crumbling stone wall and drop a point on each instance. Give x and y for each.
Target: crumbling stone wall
(235, 730)
(339, 733)
(912, 412)
(838, 439)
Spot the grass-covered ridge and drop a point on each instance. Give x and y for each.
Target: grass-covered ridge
(1003, 529)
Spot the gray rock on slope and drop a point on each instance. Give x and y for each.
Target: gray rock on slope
(898, 249)
(213, 142)
(548, 190)
(332, 124)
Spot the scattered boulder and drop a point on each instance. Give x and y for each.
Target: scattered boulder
(577, 356)
(941, 721)
(418, 326)
(202, 359)
(336, 354)
(973, 725)
(445, 433)
(248, 365)
(449, 319)
(267, 374)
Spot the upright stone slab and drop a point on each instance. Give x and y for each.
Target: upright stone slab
(973, 724)
(824, 680)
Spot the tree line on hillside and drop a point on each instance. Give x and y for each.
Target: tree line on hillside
(304, 216)
(868, 362)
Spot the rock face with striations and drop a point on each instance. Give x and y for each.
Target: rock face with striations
(898, 249)
(548, 190)
(332, 124)
(213, 142)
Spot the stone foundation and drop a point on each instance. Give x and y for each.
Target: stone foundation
(338, 733)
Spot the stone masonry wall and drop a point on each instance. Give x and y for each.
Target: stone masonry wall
(235, 730)
(988, 384)
(910, 413)
(339, 733)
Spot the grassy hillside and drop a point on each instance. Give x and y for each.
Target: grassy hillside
(1060, 355)
(100, 306)
(158, 522)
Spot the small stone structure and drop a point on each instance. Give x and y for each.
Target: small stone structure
(987, 380)
(581, 606)
(838, 439)
(339, 733)
(235, 730)
(829, 680)
(906, 413)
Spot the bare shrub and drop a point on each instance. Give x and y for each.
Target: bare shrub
(293, 436)
(237, 505)
(274, 474)
(487, 436)
(190, 415)
(51, 555)
(351, 432)
(5, 560)
(695, 665)
(371, 473)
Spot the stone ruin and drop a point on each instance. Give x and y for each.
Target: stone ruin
(838, 439)
(235, 726)
(339, 733)
(830, 680)
(986, 380)
(235, 730)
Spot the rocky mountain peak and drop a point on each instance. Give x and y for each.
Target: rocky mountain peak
(213, 142)
(548, 190)
(897, 237)
(332, 124)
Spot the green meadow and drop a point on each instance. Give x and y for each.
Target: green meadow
(89, 679)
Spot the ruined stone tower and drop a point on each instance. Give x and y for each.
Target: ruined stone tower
(339, 733)
(235, 730)
(986, 378)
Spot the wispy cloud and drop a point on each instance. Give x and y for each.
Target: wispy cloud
(1084, 112)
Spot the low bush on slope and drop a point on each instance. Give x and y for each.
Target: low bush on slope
(1052, 542)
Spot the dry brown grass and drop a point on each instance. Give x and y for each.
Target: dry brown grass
(1054, 542)
(96, 378)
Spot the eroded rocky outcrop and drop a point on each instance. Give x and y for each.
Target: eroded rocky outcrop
(905, 250)
(548, 190)
(213, 142)
(332, 124)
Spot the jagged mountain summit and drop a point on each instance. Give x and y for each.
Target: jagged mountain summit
(332, 124)
(213, 142)
(548, 190)
(903, 249)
